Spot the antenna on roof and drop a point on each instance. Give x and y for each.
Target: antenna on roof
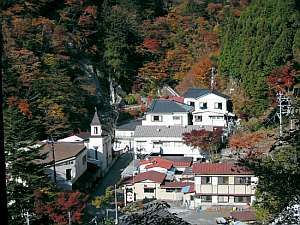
(212, 78)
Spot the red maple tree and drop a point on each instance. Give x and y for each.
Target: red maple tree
(204, 140)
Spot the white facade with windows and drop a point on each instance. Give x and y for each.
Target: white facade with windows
(165, 119)
(210, 108)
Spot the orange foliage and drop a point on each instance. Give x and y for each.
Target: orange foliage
(24, 108)
(248, 140)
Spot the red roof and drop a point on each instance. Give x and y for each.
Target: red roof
(150, 175)
(244, 215)
(157, 162)
(176, 184)
(182, 164)
(220, 169)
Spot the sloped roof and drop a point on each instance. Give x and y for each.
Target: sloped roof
(220, 169)
(164, 131)
(150, 175)
(179, 184)
(62, 151)
(96, 120)
(247, 215)
(168, 106)
(196, 93)
(129, 125)
(159, 162)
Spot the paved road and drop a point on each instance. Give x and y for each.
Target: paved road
(110, 179)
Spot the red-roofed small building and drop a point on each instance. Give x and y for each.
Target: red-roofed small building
(156, 164)
(223, 184)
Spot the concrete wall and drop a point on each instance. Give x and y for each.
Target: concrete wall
(166, 119)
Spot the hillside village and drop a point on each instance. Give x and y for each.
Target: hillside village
(165, 112)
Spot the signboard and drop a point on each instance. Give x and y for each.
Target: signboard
(129, 197)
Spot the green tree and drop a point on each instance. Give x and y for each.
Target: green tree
(24, 175)
(260, 40)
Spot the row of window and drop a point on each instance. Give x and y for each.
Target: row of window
(225, 180)
(203, 105)
(197, 118)
(225, 199)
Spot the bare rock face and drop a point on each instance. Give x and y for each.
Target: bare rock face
(153, 213)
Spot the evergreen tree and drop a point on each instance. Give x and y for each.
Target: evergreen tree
(259, 41)
(24, 174)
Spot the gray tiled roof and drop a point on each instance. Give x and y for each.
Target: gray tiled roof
(95, 120)
(129, 125)
(164, 131)
(196, 93)
(168, 106)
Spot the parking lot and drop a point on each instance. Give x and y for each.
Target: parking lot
(204, 217)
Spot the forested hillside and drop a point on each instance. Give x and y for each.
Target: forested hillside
(62, 58)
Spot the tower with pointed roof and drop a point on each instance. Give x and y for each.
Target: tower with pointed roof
(99, 145)
(96, 129)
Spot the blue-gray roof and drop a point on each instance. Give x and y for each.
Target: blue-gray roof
(129, 125)
(197, 92)
(168, 106)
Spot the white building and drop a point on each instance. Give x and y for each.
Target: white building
(99, 146)
(222, 184)
(70, 162)
(124, 135)
(163, 112)
(210, 107)
(164, 140)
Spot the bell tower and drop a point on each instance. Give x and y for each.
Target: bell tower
(96, 129)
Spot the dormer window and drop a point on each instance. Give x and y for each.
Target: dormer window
(218, 105)
(95, 130)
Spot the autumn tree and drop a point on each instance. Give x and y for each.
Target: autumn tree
(204, 140)
(56, 207)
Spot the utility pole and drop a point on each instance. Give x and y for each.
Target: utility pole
(285, 109)
(116, 204)
(212, 78)
(51, 141)
(69, 215)
(27, 218)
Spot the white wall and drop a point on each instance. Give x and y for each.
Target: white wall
(168, 145)
(123, 138)
(104, 151)
(166, 119)
(77, 169)
(210, 114)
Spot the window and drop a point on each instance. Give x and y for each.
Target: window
(191, 104)
(95, 130)
(242, 180)
(178, 172)
(222, 199)
(96, 154)
(203, 105)
(242, 199)
(218, 105)
(206, 198)
(84, 160)
(217, 117)
(170, 190)
(205, 180)
(222, 180)
(198, 118)
(176, 117)
(157, 118)
(68, 174)
(148, 190)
